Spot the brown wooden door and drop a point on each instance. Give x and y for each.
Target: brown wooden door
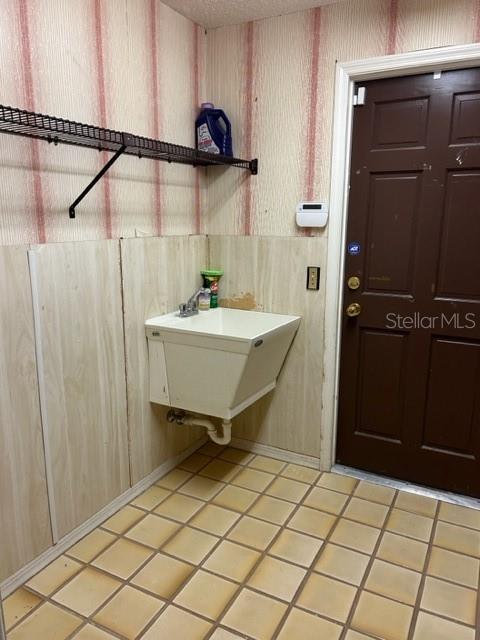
(410, 362)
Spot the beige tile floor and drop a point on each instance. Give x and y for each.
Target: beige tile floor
(231, 545)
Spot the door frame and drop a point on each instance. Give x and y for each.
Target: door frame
(347, 73)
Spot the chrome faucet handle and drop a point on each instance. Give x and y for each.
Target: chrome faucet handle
(188, 309)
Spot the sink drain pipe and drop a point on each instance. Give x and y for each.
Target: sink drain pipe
(190, 420)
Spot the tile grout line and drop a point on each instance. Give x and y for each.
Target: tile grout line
(263, 553)
(240, 585)
(373, 556)
(244, 584)
(196, 567)
(425, 575)
(85, 619)
(118, 536)
(262, 494)
(418, 600)
(127, 582)
(94, 624)
(46, 558)
(162, 609)
(278, 474)
(310, 569)
(48, 598)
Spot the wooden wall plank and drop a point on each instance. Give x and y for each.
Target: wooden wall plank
(82, 353)
(24, 516)
(158, 274)
(269, 274)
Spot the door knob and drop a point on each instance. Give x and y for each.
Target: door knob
(353, 283)
(353, 310)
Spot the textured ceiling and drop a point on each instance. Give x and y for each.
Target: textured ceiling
(216, 13)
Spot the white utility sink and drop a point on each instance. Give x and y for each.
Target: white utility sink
(217, 362)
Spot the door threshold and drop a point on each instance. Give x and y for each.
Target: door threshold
(410, 487)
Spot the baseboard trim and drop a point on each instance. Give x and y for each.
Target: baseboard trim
(37, 564)
(275, 452)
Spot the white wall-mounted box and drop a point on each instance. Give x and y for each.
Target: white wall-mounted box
(312, 214)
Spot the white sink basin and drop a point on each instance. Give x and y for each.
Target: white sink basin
(217, 362)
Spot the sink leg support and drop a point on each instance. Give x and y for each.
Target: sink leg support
(190, 420)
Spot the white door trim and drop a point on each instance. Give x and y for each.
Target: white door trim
(346, 75)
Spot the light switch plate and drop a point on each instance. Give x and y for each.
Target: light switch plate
(313, 278)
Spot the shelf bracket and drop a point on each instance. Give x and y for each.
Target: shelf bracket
(100, 174)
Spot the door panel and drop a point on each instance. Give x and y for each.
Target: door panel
(392, 218)
(452, 414)
(458, 270)
(400, 123)
(466, 118)
(383, 418)
(410, 365)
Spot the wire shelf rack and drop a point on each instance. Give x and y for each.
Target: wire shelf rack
(60, 131)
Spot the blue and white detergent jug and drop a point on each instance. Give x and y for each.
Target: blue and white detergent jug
(213, 130)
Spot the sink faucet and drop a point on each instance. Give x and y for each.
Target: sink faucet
(190, 307)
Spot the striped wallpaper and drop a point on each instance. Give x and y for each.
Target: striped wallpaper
(275, 78)
(138, 66)
(132, 65)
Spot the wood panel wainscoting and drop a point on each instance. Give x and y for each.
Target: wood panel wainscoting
(81, 355)
(269, 274)
(83, 328)
(68, 449)
(24, 518)
(158, 274)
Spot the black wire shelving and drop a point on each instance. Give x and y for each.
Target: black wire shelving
(60, 131)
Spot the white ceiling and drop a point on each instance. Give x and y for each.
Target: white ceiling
(216, 13)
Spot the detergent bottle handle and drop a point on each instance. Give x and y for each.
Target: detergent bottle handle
(226, 122)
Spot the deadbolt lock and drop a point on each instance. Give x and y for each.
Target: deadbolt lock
(353, 283)
(354, 310)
